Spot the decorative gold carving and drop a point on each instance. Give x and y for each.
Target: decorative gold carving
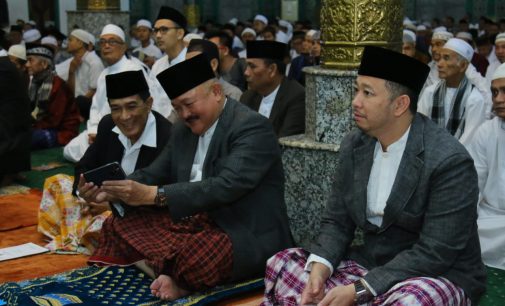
(349, 25)
(98, 5)
(192, 13)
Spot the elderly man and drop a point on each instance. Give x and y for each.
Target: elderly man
(438, 39)
(147, 52)
(209, 49)
(488, 150)
(409, 43)
(499, 51)
(169, 31)
(270, 93)
(454, 102)
(55, 114)
(410, 188)
(82, 70)
(210, 209)
(113, 48)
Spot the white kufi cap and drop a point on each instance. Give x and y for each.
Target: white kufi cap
(409, 37)
(442, 35)
(500, 38)
(191, 36)
(499, 73)
(144, 23)
(261, 18)
(248, 30)
(461, 47)
(18, 51)
(114, 30)
(464, 35)
(49, 40)
(81, 35)
(31, 35)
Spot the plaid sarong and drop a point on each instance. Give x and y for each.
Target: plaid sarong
(195, 252)
(286, 277)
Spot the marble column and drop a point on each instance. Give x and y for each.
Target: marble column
(310, 160)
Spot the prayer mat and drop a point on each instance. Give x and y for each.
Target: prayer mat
(13, 189)
(495, 292)
(19, 209)
(106, 286)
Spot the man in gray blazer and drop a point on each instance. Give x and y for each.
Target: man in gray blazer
(270, 93)
(211, 206)
(410, 188)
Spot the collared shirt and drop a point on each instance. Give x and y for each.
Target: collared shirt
(160, 98)
(86, 76)
(448, 103)
(268, 102)
(382, 176)
(131, 151)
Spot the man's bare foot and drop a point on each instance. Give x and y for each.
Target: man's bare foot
(165, 288)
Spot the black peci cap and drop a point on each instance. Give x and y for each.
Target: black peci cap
(125, 84)
(167, 12)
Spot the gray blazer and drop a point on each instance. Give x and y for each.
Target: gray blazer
(242, 186)
(288, 111)
(429, 226)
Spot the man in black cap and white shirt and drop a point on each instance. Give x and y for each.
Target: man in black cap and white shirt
(210, 209)
(270, 93)
(410, 188)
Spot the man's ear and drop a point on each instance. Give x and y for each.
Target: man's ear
(402, 105)
(149, 102)
(214, 63)
(180, 34)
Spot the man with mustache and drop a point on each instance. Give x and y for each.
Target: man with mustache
(210, 209)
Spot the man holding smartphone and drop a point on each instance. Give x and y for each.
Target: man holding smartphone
(210, 209)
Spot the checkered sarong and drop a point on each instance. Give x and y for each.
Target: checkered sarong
(195, 252)
(286, 277)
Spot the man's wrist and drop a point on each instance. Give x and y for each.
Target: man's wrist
(161, 198)
(363, 293)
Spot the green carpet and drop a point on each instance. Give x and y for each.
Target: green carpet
(495, 294)
(35, 179)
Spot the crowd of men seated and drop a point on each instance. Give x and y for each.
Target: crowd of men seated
(194, 118)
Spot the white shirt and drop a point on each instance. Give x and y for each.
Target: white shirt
(267, 103)
(3, 52)
(487, 149)
(150, 50)
(160, 98)
(490, 71)
(131, 151)
(100, 105)
(86, 76)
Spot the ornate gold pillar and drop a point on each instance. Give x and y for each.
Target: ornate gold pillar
(97, 5)
(348, 25)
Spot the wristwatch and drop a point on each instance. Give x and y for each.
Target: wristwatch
(161, 197)
(363, 295)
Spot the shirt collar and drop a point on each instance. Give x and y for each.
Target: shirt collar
(148, 137)
(116, 66)
(397, 146)
(210, 131)
(273, 94)
(179, 58)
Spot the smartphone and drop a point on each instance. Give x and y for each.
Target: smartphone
(109, 172)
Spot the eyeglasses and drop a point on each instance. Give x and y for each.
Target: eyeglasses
(164, 30)
(110, 42)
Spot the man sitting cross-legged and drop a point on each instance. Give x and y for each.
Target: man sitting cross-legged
(210, 209)
(412, 190)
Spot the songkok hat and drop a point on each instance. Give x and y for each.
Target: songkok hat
(442, 35)
(248, 30)
(167, 12)
(499, 73)
(185, 76)
(82, 35)
(266, 49)
(464, 35)
(500, 38)
(144, 23)
(393, 66)
(125, 84)
(409, 36)
(208, 48)
(261, 18)
(40, 50)
(31, 35)
(18, 51)
(49, 40)
(190, 36)
(114, 30)
(461, 47)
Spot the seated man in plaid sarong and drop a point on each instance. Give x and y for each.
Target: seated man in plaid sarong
(410, 187)
(210, 209)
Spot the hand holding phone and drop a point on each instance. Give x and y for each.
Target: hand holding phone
(109, 172)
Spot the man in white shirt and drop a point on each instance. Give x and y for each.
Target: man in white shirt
(409, 187)
(113, 48)
(147, 52)
(270, 93)
(499, 51)
(81, 71)
(438, 40)
(488, 151)
(454, 102)
(169, 30)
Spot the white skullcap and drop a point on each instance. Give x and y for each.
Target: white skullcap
(440, 29)
(461, 47)
(31, 22)
(261, 18)
(114, 30)
(49, 40)
(18, 51)
(427, 24)
(464, 35)
(31, 35)
(248, 30)
(499, 73)
(81, 35)
(284, 23)
(144, 23)
(233, 21)
(442, 35)
(406, 21)
(91, 39)
(500, 38)
(409, 36)
(421, 27)
(191, 36)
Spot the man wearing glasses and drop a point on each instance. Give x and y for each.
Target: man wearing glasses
(169, 31)
(112, 48)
